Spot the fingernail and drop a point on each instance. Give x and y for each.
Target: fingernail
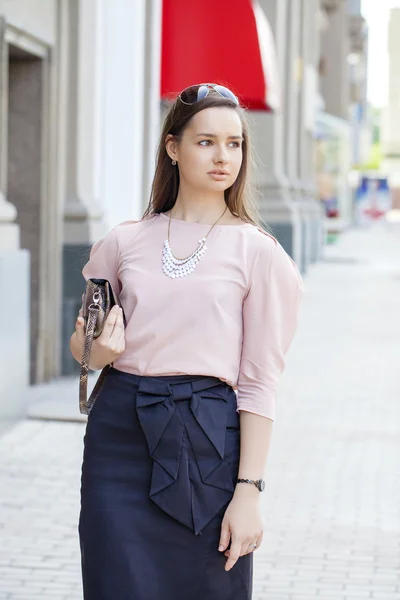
(220, 548)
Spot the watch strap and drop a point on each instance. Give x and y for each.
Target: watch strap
(256, 482)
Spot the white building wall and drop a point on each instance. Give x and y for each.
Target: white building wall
(36, 17)
(390, 132)
(123, 88)
(107, 158)
(391, 121)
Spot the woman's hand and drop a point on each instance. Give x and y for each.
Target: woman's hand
(242, 523)
(110, 344)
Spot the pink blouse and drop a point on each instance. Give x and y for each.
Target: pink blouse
(233, 317)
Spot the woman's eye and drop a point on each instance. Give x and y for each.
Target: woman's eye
(237, 144)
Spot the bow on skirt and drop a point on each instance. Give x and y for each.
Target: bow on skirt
(185, 427)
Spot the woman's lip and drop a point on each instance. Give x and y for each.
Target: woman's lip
(219, 175)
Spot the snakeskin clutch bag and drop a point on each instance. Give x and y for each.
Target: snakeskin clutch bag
(98, 300)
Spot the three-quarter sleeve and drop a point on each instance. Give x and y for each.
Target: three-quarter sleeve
(103, 260)
(270, 315)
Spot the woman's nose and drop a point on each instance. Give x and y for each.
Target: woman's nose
(221, 157)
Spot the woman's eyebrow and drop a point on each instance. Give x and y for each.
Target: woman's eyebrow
(230, 137)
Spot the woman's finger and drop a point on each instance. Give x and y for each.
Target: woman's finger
(109, 324)
(234, 554)
(118, 327)
(251, 547)
(80, 330)
(244, 548)
(257, 542)
(224, 537)
(121, 341)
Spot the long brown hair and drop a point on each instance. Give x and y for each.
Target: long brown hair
(240, 197)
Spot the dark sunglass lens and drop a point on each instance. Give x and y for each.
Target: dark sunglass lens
(226, 93)
(202, 93)
(194, 93)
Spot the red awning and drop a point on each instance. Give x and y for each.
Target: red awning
(225, 41)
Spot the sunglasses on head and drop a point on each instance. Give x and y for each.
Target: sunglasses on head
(194, 93)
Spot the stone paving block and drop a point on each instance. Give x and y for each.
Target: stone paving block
(358, 596)
(379, 595)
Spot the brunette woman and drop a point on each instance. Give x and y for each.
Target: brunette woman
(176, 443)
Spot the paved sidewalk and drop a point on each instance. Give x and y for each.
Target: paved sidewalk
(332, 504)
(58, 400)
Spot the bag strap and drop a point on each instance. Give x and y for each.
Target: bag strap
(85, 405)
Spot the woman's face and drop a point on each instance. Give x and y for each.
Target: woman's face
(211, 141)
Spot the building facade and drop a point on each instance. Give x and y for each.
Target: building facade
(79, 119)
(390, 122)
(80, 116)
(344, 131)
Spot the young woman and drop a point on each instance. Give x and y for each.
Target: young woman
(211, 304)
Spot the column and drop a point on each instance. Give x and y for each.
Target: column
(84, 223)
(311, 209)
(292, 93)
(83, 212)
(127, 101)
(152, 105)
(106, 126)
(277, 208)
(9, 230)
(14, 277)
(293, 77)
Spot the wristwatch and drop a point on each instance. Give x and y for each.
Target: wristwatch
(260, 483)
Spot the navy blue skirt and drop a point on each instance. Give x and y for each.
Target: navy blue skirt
(161, 455)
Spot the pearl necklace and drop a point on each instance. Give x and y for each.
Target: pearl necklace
(175, 267)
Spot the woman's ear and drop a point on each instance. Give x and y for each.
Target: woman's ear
(171, 146)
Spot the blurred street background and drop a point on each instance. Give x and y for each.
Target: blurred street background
(84, 86)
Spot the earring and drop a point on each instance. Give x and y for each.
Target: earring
(174, 162)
